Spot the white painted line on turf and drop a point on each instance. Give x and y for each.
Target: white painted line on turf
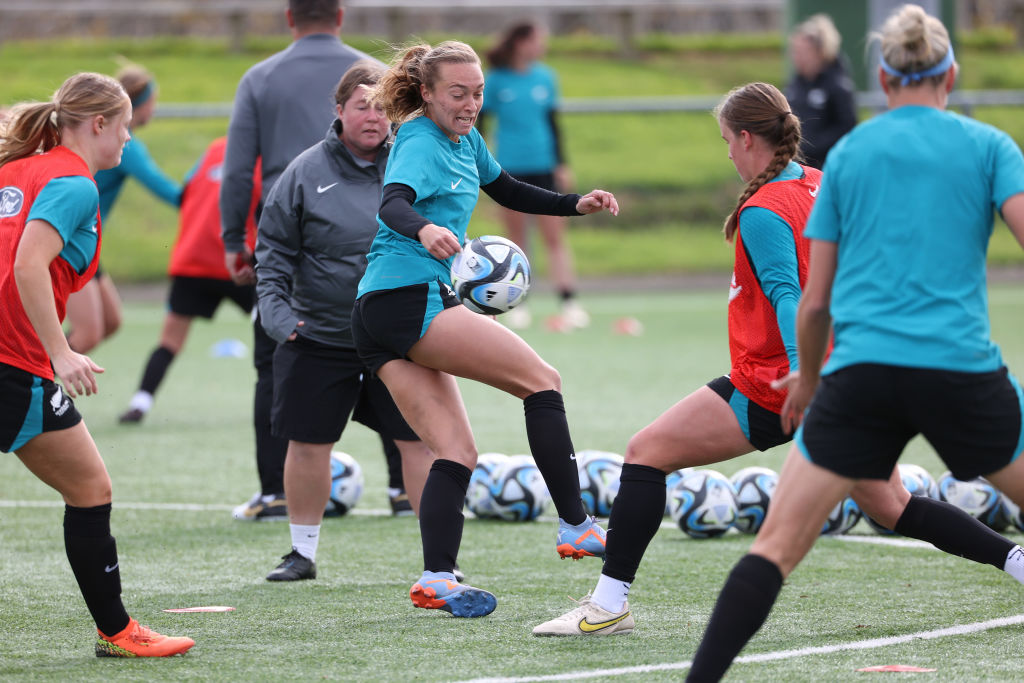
(773, 656)
(173, 507)
(887, 540)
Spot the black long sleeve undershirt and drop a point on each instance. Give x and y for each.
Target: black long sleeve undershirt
(397, 213)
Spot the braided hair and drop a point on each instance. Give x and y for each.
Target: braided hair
(762, 110)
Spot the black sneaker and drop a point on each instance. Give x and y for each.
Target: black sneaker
(262, 508)
(400, 505)
(131, 416)
(294, 568)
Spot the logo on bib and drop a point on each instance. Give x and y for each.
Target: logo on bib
(11, 199)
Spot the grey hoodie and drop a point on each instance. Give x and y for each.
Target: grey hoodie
(317, 225)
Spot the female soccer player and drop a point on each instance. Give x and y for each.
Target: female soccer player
(899, 235)
(49, 247)
(522, 95)
(94, 312)
(739, 412)
(314, 233)
(411, 331)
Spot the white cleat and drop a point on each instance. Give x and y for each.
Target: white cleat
(588, 620)
(574, 315)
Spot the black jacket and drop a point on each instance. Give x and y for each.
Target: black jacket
(826, 108)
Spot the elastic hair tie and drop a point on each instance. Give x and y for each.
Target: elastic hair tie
(916, 76)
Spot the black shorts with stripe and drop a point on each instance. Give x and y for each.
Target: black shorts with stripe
(30, 406)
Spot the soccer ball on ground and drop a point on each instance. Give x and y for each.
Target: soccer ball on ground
(844, 516)
(346, 483)
(515, 491)
(918, 482)
(671, 480)
(976, 497)
(599, 480)
(753, 487)
(478, 494)
(1014, 512)
(491, 275)
(703, 504)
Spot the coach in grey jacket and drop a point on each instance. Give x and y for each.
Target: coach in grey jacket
(317, 225)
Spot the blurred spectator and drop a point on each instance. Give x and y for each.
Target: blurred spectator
(821, 93)
(522, 95)
(94, 312)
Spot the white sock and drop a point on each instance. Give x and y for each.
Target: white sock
(305, 539)
(610, 594)
(143, 400)
(1015, 563)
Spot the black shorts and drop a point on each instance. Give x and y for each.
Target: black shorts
(544, 180)
(317, 386)
(200, 296)
(862, 417)
(30, 406)
(762, 427)
(386, 323)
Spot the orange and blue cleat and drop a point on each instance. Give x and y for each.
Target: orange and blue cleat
(141, 641)
(440, 590)
(586, 539)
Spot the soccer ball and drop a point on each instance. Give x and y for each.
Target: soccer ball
(670, 482)
(753, 487)
(977, 498)
(599, 480)
(918, 482)
(1013, 511)
(346, 483)
(844, 516)
(478, 494)
(703, 504)
(491, 275)
(515, 491)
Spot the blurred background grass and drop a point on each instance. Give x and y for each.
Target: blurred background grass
(670, 171)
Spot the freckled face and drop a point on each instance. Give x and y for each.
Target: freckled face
(454, 101)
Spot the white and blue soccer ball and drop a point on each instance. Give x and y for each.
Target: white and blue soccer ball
(346, 483)
(599, 480)
(1014, 513)
(478, 494)
(491, 275)
(844, 516)
(977, 497)
(754, 487)
(514, 491)
(703, 504)
(918, 482)
(670, 482)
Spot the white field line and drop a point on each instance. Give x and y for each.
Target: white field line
(172, 507)
(773, 656)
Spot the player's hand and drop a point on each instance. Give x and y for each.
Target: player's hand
(440, 242)
(598, 200)
(240, 267)
(799, 394)
(76, 372)
(293, 335)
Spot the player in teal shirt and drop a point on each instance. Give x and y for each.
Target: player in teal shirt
(898, 234)
(410, 329)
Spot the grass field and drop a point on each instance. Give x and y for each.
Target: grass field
(177, 475)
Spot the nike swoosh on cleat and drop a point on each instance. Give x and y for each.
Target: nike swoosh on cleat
(320, 189)
(450, 585)
(588, 627)
(109, 569)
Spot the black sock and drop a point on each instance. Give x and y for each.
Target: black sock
(548, 433)
(636, 516)
(441, 516)
(394, 460)
(155, 370)
(566, 295)
(743, 605)
(952, 530)
(270, 449)
(92, 554)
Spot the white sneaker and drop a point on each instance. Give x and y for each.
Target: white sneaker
(574, 315)
(588, 620)
(518, 318)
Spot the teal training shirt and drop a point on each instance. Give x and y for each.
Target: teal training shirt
(446, 177)
(910, 198)
(69, 204)
(521, 102)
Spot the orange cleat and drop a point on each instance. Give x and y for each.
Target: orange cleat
(141, 641)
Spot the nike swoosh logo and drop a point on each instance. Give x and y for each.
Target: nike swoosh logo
(456, 183)
(814, 192)
(588, 627)
(109, 569)
(320, 189)
(572, 456)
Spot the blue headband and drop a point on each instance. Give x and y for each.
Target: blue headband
(144, 96)
(916, 77)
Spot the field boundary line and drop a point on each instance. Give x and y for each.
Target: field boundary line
(873, 643)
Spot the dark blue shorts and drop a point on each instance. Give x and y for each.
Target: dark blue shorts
(30, 406)
(863, 415)
(762, 427)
